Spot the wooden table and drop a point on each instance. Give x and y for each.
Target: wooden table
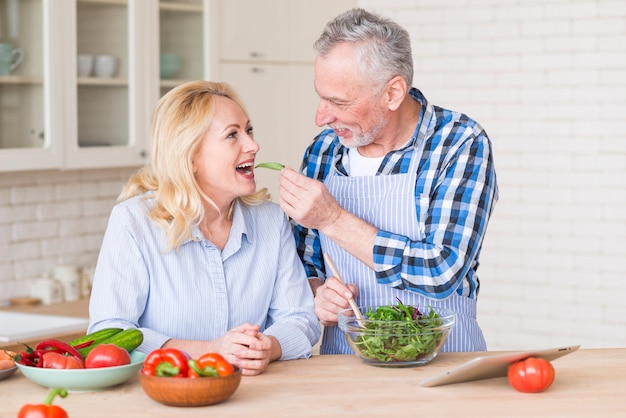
(589, 383)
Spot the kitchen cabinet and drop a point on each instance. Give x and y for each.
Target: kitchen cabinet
(51, 116)
(269, 61)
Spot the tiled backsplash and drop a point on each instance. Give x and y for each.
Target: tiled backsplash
(49, 218)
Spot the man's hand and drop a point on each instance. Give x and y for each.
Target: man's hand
(307, 201)
(332, 297)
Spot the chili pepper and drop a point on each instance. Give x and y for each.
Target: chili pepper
(59, 346)
(29, 357)
(166, 362)
(210, 364)
(45, 410)
(83, 345)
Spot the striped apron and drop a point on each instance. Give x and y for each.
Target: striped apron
(388, 203)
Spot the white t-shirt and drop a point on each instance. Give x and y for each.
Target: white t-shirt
(363, 166)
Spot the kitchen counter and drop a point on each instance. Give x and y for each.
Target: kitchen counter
(589, 383)
(77, 309)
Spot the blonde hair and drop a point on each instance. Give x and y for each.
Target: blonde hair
(179, 122)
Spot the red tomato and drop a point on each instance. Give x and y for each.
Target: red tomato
(531, 375)
(107, 355)
(53, 360)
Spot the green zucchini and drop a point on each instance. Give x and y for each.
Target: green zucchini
(96, 336)
(128, 339)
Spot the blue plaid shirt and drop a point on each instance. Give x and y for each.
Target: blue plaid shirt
(457, 169)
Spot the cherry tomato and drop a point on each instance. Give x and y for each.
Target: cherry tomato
(53, 360)
(531, 375)
(107, 355)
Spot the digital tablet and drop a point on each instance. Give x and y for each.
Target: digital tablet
(490, 366)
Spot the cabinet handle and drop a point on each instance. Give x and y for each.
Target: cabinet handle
(257, 70)
(143, 153)
(256, 54)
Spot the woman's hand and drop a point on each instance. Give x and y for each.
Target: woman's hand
(254, 359)
(249, 349)
(243, 346)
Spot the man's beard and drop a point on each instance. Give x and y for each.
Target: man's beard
(361, 139)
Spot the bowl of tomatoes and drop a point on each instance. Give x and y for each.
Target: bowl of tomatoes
(396, 335)
(171, 377)
(106, 366)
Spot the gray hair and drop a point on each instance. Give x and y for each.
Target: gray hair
(382, 46)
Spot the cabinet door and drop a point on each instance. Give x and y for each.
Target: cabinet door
(274, 30)
(28, 121)
(303, 105)
(264, 89)
(183, 43)
(307, 23)
(254, 30)
(281, 102)
(107, 119)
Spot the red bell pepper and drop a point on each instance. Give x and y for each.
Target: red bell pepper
(210, 364)
(45, 410)
(166, 362)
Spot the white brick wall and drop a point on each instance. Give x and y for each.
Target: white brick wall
(547, 80)
(49, 218)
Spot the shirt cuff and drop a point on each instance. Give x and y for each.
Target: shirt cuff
(388, 255)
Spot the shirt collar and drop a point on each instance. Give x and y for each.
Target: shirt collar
(242, 226)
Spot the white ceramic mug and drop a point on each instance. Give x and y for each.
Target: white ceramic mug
(105, 66)
(84, 65)
(10, 58)
(70, 279)
(47, 289)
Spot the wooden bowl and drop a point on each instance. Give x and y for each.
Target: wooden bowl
(201, 391)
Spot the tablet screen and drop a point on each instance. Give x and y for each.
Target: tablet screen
(490, 366)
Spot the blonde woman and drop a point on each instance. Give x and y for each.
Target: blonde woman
(193, 255)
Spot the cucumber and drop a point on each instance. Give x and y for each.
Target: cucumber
(128, 339)
(96, 336)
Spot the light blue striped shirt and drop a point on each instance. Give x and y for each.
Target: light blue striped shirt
(197, 291)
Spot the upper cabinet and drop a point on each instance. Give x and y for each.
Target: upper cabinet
(274, 30)
(269, 61)
(184, 47)
(27, 117)
(80, 90)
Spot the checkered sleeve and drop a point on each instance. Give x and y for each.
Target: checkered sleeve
(457, 170)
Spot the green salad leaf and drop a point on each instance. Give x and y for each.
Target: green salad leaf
(401, 333)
